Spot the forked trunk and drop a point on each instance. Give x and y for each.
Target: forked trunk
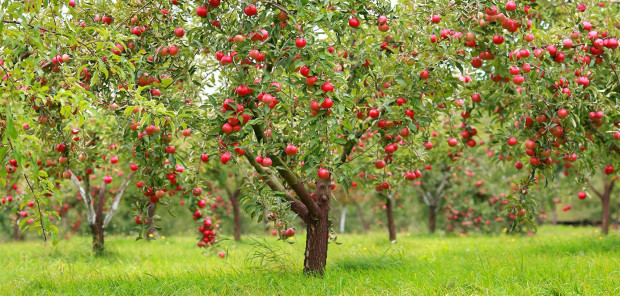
(317, 232)
(390, 217)
(234, 200)
(432, 218)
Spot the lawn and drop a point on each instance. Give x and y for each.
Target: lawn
(556, 261)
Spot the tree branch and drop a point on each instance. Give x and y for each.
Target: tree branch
(275, 185)
(90, 217)
(594, 189)
(117, 200)
(289, 176)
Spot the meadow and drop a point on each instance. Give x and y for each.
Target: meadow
(555, 261)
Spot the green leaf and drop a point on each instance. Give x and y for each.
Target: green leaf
(10, 128)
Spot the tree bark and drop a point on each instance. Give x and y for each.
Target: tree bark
(390, 218)
(606, 199)
(97, 231)
(432, 218)
(317, 232)
(234, 200)
(150, 233)
(97, 228)
(554, 215)
(605, 221)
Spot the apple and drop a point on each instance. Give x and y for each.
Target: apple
(250, 10)
(476, 98)
(512, 141)
(107, 179)
(452, 142)
(290, 150)
(204, 157)
(529, 144)
(562, 113)
(197, 191)
(581, 195)
(225, 157)
(300, 43)
(511, 6)
(498, 39)
(323, 173)
(179, 32)
(609, 169)
(201, 11)
(327, 87)
(353, 22)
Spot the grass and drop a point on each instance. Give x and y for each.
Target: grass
(556, 261)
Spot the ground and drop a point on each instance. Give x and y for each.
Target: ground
(556, 261)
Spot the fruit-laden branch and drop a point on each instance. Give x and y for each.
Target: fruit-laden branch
(289, 176)
(348, 147)
(275, 185)
(117, 200)
(90, 211)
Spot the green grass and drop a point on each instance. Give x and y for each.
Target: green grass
(557, 261)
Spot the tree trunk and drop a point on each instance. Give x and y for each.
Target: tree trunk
(360, 213)
(605, 221)
(554, 215)
(390, 218)
(97, 238)
(150, 233)
(343, 218)
(97, 228)
(317, 232)
(16, 234)
(234, 200)
(432, 218)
